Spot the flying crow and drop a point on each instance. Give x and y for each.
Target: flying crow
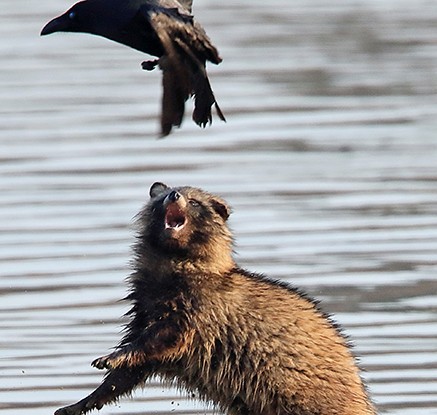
(162, 28)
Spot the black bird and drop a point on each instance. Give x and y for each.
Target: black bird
(162, 28)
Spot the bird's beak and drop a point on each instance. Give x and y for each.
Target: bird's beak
(58, 24)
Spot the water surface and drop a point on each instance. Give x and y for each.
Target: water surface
(328, 159)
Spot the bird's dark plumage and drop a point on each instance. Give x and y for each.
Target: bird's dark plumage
(162, 28)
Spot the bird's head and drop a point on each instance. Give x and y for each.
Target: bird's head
(98, 17)
(70, 21)
(92, 16)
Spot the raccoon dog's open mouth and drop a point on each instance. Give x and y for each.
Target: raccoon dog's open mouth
(174, 217)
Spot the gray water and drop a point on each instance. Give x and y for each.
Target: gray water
(328, 159)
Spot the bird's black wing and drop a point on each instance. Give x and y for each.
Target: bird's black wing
(186, 49)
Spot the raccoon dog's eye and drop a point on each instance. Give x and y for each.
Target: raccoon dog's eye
(194, 203)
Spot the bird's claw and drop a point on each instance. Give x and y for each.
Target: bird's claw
(149, 65)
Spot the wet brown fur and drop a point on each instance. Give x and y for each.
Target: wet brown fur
(248, 344)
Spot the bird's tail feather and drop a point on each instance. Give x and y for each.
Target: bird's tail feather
(176, 90)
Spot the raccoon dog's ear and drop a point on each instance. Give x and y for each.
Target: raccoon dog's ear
(157, 188)
(221, 207)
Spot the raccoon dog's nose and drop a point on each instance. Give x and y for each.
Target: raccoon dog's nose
(174, 196)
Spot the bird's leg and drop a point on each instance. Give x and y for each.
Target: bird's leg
(149, 65)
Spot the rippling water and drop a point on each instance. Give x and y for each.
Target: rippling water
(328, 158)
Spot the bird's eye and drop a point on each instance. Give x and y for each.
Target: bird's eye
(194, 203)
(72, 15)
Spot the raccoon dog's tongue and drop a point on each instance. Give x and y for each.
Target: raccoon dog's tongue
(174, 217)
